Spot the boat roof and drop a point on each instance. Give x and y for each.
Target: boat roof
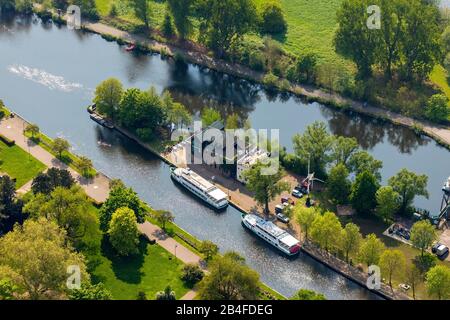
(267, 226)
(289, 240)
(218, 194)
(195, 179)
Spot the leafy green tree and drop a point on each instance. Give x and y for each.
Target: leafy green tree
(363, 195)
(437, 109)
(54, 177)
(413, 277)
(107, 96)
(208, 249)
(371, 250)
(166, 294)
(392, 264)
(60, 145)
(306, 67)
(32, 129)
(265, 187)
(338, 186)
(176, 112)
(163, 217)
(90, 292)
(123, 232)
(85, 165)
(423, 234)
(343, 148)
(209, 116)
(232, 122)
(438, 282)
(388, 202)
(305, 217)
(353, 39)
(229, 279)
(326, 231)
(7, 289)
(224, 22)
(409, 185)
(192, 274)
(351, 239)
(305, 294)
(272, 18)
(182, 11)
(41, 267)
(361, 161)
(10, 205)
(119, 197)
(315, 145)
(141, 10)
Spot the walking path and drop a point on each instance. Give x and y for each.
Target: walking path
(97, 188)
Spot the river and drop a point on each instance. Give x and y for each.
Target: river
(48, 75)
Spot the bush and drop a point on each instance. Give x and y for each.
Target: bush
(270, 80)
(437, 109)
(256, 61)
(425, 263)
(7, 141)
(272, 18)
(192, 274)
(167, 27)
(113, 11)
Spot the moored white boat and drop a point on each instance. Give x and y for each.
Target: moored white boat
(272, 234)
(201, 187)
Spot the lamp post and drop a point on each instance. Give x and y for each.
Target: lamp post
(176, 250)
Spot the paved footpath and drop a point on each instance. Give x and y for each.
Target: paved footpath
(97, 188)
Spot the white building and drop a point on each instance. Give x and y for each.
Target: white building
(247, 160)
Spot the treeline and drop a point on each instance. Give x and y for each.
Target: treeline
(144, 112)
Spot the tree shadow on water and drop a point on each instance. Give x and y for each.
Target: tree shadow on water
(127, 269)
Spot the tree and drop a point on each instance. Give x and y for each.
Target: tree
(392, 263)
(388, 202)
(437, 109)
(272, 18)
(54, 177)
(363, 195)
(361, 161)
(181, 11)
(91, 292)
(41, 266)
(351, 239)
(163, 217)
(69, 208)
(326, 231)
(314, 144)
(8, 5)
(123, 232)
(167, 294)
(305, 294)
(141, 10)
(59, 145)
(107, 97)
(119, 197)
(209, 116)
(229, 279)
(338, 186)
(371, 250)
(10, 205)
(32, 129)
(208, 249)
(265, 186)
(353, 39)
(438, 282)
(306, 67)
(192, 274)
(413, 277)
(232, 122)
(305, 217)
(176, 112)
(423, 234)
(224, 22)
(85, 165)
(343, 148)
(409, 185)
(167, 27)
(7, 289)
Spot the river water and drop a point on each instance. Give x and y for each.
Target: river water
(48, 75)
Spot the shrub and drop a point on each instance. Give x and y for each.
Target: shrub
(167, 27)
(272, 18)
(256, 61)
(192, 274)
(7, 141)
(437, 109)
(113, 10)
(270, 80)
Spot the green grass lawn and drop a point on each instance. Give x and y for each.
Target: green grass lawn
(18, 164)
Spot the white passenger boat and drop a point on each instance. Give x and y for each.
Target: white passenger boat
(272, 234)
(201, 187)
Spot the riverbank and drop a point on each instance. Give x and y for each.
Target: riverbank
(440, 133)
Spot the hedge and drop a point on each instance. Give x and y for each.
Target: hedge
(7, 141)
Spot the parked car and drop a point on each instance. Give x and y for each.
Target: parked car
(287, 200)
(279, 208)
(282, 217)
(440, 250)
(297, 193)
